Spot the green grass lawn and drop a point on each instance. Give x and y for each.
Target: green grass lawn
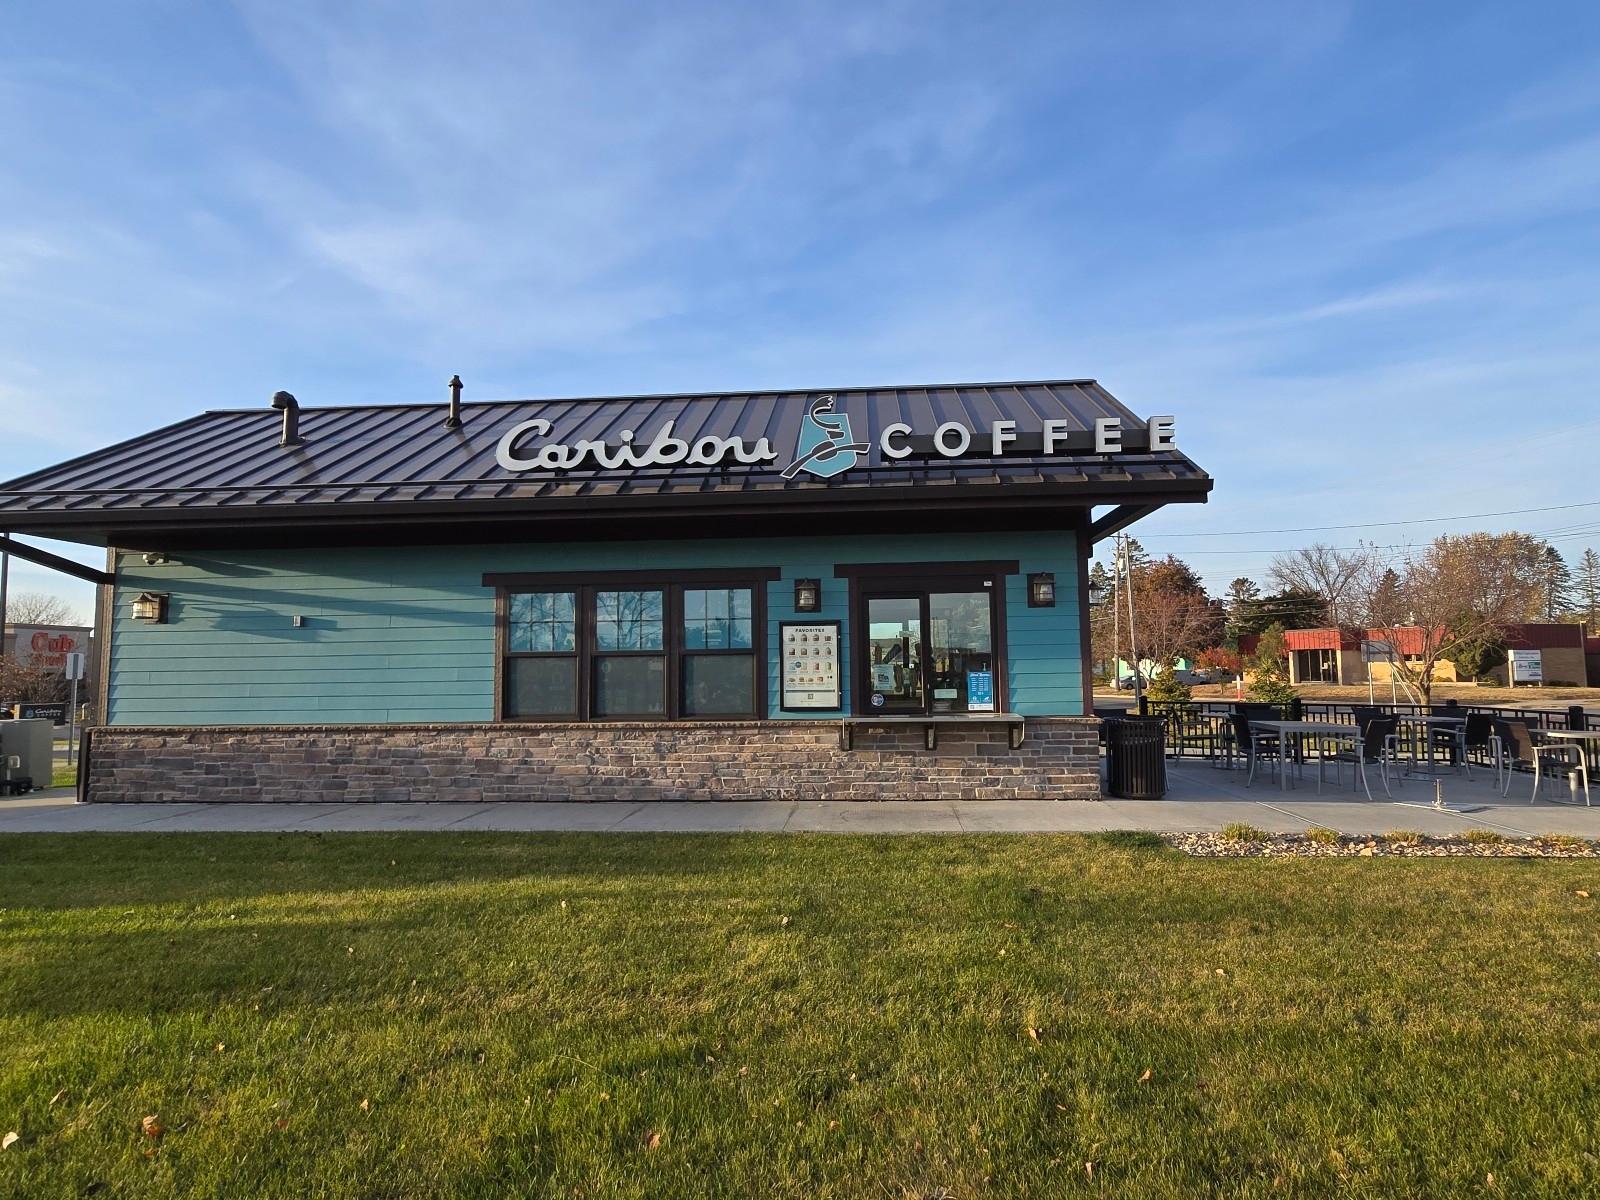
(434, 1015)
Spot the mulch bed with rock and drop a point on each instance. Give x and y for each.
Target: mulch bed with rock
(1402, 844)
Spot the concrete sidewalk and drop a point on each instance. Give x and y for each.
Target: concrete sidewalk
(1199, 800)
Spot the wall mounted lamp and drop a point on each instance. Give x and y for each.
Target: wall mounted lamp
(150, 607)
(1042, 590)
(808, 595)
(1099, 593)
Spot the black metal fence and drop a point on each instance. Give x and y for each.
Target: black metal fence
(1199, 727)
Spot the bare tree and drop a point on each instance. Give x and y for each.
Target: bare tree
(1176, 618)
(1343, 578)
(1459, 587)
(39, 608)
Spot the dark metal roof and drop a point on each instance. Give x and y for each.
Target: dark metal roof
(400, 464)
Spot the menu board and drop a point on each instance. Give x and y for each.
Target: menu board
(810, 658)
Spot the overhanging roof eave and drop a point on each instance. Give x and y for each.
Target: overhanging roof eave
(101, 525)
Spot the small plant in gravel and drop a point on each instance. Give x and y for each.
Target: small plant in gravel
(1323, 836)
(1402, 837)
(1238, 831)
(1484, 837)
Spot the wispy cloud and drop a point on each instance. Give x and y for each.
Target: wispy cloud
(1344, 250)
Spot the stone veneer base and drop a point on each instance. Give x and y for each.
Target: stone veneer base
(763, 760)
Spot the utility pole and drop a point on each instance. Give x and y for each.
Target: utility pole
(1116, 617)
(1133, 642)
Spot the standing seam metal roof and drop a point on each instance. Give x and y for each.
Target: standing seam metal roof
(386, 453)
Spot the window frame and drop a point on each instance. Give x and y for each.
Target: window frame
(505, 653)
(672, 585)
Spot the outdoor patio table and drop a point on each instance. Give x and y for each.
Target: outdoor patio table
(1589, 739)
(1299, 729)
(1428, 724)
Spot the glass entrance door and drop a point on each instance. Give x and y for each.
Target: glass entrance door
(895, 648)
(960, 652)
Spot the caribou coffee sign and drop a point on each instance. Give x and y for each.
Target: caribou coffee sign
(827, 445)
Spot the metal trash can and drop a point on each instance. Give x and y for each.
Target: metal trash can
(1136, 759)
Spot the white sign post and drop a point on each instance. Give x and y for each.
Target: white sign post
(76, 664)
(1377, 650)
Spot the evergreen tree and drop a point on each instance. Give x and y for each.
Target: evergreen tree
(1586, 589)
(1388, 600)
(1290, 609)
(1270, 668)
(1555, 585)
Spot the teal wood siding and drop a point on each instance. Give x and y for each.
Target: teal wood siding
(407, 635)
(1045, 651)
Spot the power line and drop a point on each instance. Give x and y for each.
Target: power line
(1513, 512)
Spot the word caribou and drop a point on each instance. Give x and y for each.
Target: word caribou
(664, 450)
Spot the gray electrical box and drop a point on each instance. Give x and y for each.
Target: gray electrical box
(33, 742)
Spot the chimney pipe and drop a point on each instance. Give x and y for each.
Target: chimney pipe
(291, 419)
(453, 420)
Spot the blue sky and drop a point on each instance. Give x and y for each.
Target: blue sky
(1353, 247)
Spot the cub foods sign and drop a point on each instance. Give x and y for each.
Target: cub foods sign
(827, 446)
(47, 649)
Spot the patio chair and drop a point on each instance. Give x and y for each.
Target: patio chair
(1448, 737)
(1362, 713)
(1202, 731)
(1477, 737)
(1379, 739)
(1255, 744)
(1520, 749)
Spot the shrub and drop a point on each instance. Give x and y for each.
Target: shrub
(1403, 837)
(1238, 831)
(1484, 837)
(1324, 836)
(1166, 687)
(1269, 690)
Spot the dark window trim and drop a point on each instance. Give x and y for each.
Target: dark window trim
(567, 580)
(672, 585)
(865, 587)
(897, 570)
(1080, 586)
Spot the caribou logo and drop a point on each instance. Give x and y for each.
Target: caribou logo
(826, 446)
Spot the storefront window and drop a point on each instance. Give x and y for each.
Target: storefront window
(543, 621)
(614, 652)
(960, 653)
(895, 629)
(627, 620)
(542, 673)
(928, 649)
(719, 672)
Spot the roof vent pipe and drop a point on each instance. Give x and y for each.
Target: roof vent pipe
(453, 420)
(291, 419)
